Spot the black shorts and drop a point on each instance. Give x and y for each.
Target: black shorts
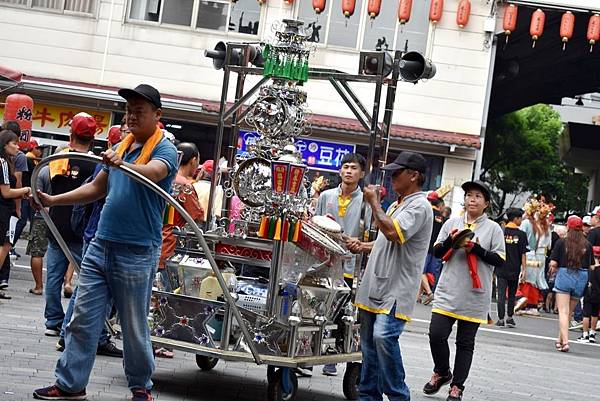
(590, 309)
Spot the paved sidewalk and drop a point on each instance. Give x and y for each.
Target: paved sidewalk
(507, 365)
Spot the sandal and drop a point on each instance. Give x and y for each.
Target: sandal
(558, 345)
(36, 292)
(565, 348)
(4, 296)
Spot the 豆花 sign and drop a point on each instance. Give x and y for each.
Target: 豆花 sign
(316, 154)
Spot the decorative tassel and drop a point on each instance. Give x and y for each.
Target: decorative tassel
(277, 235)
(297, 231)
(264, 227)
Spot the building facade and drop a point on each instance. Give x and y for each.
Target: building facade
(75, 53)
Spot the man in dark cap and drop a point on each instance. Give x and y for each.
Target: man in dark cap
(386, 295)
(122, 258)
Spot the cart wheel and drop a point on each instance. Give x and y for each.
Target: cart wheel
(351, 379)
(283, 385)
(206, 363)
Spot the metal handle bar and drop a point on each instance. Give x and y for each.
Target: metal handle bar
(168, 198)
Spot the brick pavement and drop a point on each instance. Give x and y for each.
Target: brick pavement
(504, 368)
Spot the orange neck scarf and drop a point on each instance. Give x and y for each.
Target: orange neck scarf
(147, 148)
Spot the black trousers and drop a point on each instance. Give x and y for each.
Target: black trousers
(511, 285)
(439, 331)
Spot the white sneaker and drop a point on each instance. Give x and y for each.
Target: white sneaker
(575, 325)
(598, 326)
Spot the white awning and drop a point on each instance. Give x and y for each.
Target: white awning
(567, 5)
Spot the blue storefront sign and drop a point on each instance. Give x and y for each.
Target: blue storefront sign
(316, 154)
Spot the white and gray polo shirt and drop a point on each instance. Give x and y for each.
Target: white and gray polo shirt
(454, 293)
(394, 269)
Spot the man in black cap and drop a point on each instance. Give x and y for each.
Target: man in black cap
(387, 292)
(122, 258)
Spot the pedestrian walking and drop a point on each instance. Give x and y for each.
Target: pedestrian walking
(65, 175)
(570, 261)
(121, 260)
(591, 305)
(8, 193)
(386, 295)
(512, 271)
(464, 292)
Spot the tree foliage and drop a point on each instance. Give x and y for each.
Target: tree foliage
(521, 155)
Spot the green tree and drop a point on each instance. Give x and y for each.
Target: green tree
(521, 155)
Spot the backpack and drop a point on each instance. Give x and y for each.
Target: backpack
(81, 214)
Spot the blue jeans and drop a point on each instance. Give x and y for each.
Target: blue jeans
(125, 272)
(57, 264)
(382, 369)
(104, 335)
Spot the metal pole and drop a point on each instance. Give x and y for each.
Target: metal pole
(384, 143)
(218, 140)
(169, 199)
(356, 99)
(361, 119)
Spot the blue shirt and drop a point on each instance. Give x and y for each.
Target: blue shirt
(132, 213)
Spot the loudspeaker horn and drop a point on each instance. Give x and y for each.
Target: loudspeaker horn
(414, 67)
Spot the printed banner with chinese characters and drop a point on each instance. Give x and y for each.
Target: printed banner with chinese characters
(317, 154)
(54, 119)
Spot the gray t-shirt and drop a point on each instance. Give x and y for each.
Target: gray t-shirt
(454, 293)
(328, 203)
(394, 269)
(20, 162)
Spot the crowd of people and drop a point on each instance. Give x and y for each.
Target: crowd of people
(120, 233)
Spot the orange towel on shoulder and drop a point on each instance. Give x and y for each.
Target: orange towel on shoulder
(147, 148)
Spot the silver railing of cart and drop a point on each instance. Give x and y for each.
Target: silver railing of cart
(168, 198)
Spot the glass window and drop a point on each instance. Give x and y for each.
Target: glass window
(177, 12)
(52, 4)
(212, 15)
(146, 10)
(17, 2)
(343, 31)
(379, 33)
(81, 6)
(413, 35)
(245, 17)
(314, 24)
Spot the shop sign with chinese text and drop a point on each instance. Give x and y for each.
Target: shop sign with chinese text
(54, 119)
(316, 154)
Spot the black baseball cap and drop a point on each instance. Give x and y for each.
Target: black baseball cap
(144, 91)
(480, 186)
(409, 160)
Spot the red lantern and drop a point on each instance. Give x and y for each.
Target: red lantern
(261, 2)
(348, 7)
(436, 10)
(288, 2)
(318, 6)
(593, 32)
(567, 25)
(463, 13)
(19, 107)
(510, 19)
(404, 10)
(536, 28)
(373, 8)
